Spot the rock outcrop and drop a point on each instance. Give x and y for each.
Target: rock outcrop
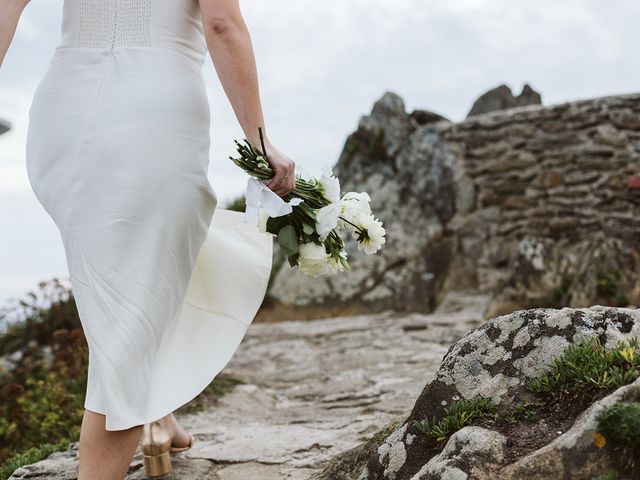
(536, 205)
(495, 361)
(501, 98)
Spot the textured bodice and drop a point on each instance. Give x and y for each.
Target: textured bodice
(116, 24)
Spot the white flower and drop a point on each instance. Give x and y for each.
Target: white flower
(263, 216)
(371, 235)
(313, 259)
(351, 204)
(327, 219)
(329, 185)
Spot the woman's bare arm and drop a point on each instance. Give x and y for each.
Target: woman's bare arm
(231, 51)
(10, 11)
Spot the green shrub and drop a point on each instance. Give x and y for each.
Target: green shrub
(43, 396)
(588, 365)
(36, 316)
(620, 424)
(32, 455)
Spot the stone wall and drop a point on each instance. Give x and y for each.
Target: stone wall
(538, 205)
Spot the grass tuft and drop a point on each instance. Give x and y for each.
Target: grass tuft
(588, 365)
(457, 415)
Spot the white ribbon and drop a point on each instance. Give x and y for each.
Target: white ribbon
(258, 194)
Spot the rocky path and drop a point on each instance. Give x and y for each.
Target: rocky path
(314, 389)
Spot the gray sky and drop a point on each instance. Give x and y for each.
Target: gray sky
(321, 66)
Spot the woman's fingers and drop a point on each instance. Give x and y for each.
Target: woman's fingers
(276, 182)
(283, 181)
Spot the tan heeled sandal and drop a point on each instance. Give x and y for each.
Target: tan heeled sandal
(156, 447)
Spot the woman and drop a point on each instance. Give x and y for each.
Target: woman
(117, 153)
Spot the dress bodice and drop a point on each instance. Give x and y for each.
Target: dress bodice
(115, 24)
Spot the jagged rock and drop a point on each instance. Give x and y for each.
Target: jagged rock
(547, 273)
(397, 168)
(473, 451)
(425, 117)
(461, 200)
(495, 361)
(502, 98)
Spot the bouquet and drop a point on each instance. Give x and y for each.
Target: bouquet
(308, 220)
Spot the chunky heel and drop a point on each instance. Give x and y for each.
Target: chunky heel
(157, 465)
(156, 445)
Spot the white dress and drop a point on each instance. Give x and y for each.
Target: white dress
(117, 153)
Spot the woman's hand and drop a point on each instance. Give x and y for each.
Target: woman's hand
(284, 180)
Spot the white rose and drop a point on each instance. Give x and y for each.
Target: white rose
(313, 259)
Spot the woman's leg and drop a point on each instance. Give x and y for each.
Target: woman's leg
(104, 454)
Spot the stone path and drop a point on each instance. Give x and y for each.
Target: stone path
(314, 389)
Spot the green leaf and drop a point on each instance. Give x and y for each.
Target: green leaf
(293, 259)
(288, 239)
(308, 229)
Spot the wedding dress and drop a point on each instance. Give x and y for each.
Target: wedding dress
(165, 283)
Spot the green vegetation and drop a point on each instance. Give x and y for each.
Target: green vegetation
(619, 425)
(37, 316)
(608, 286)
(608, 475)
(43, 395)
(238, 204)
(581, 370)
(560, 294)
(522, 411)
(385, 431)
(457, 415)
(31, 455)
(588, 365)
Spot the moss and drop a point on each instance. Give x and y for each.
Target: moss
(385, 431)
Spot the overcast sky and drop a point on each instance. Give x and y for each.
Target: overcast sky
(321, 66)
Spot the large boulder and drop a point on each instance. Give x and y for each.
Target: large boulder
(502, 98)
(536, 206)
(411, 182)
(496, 361)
